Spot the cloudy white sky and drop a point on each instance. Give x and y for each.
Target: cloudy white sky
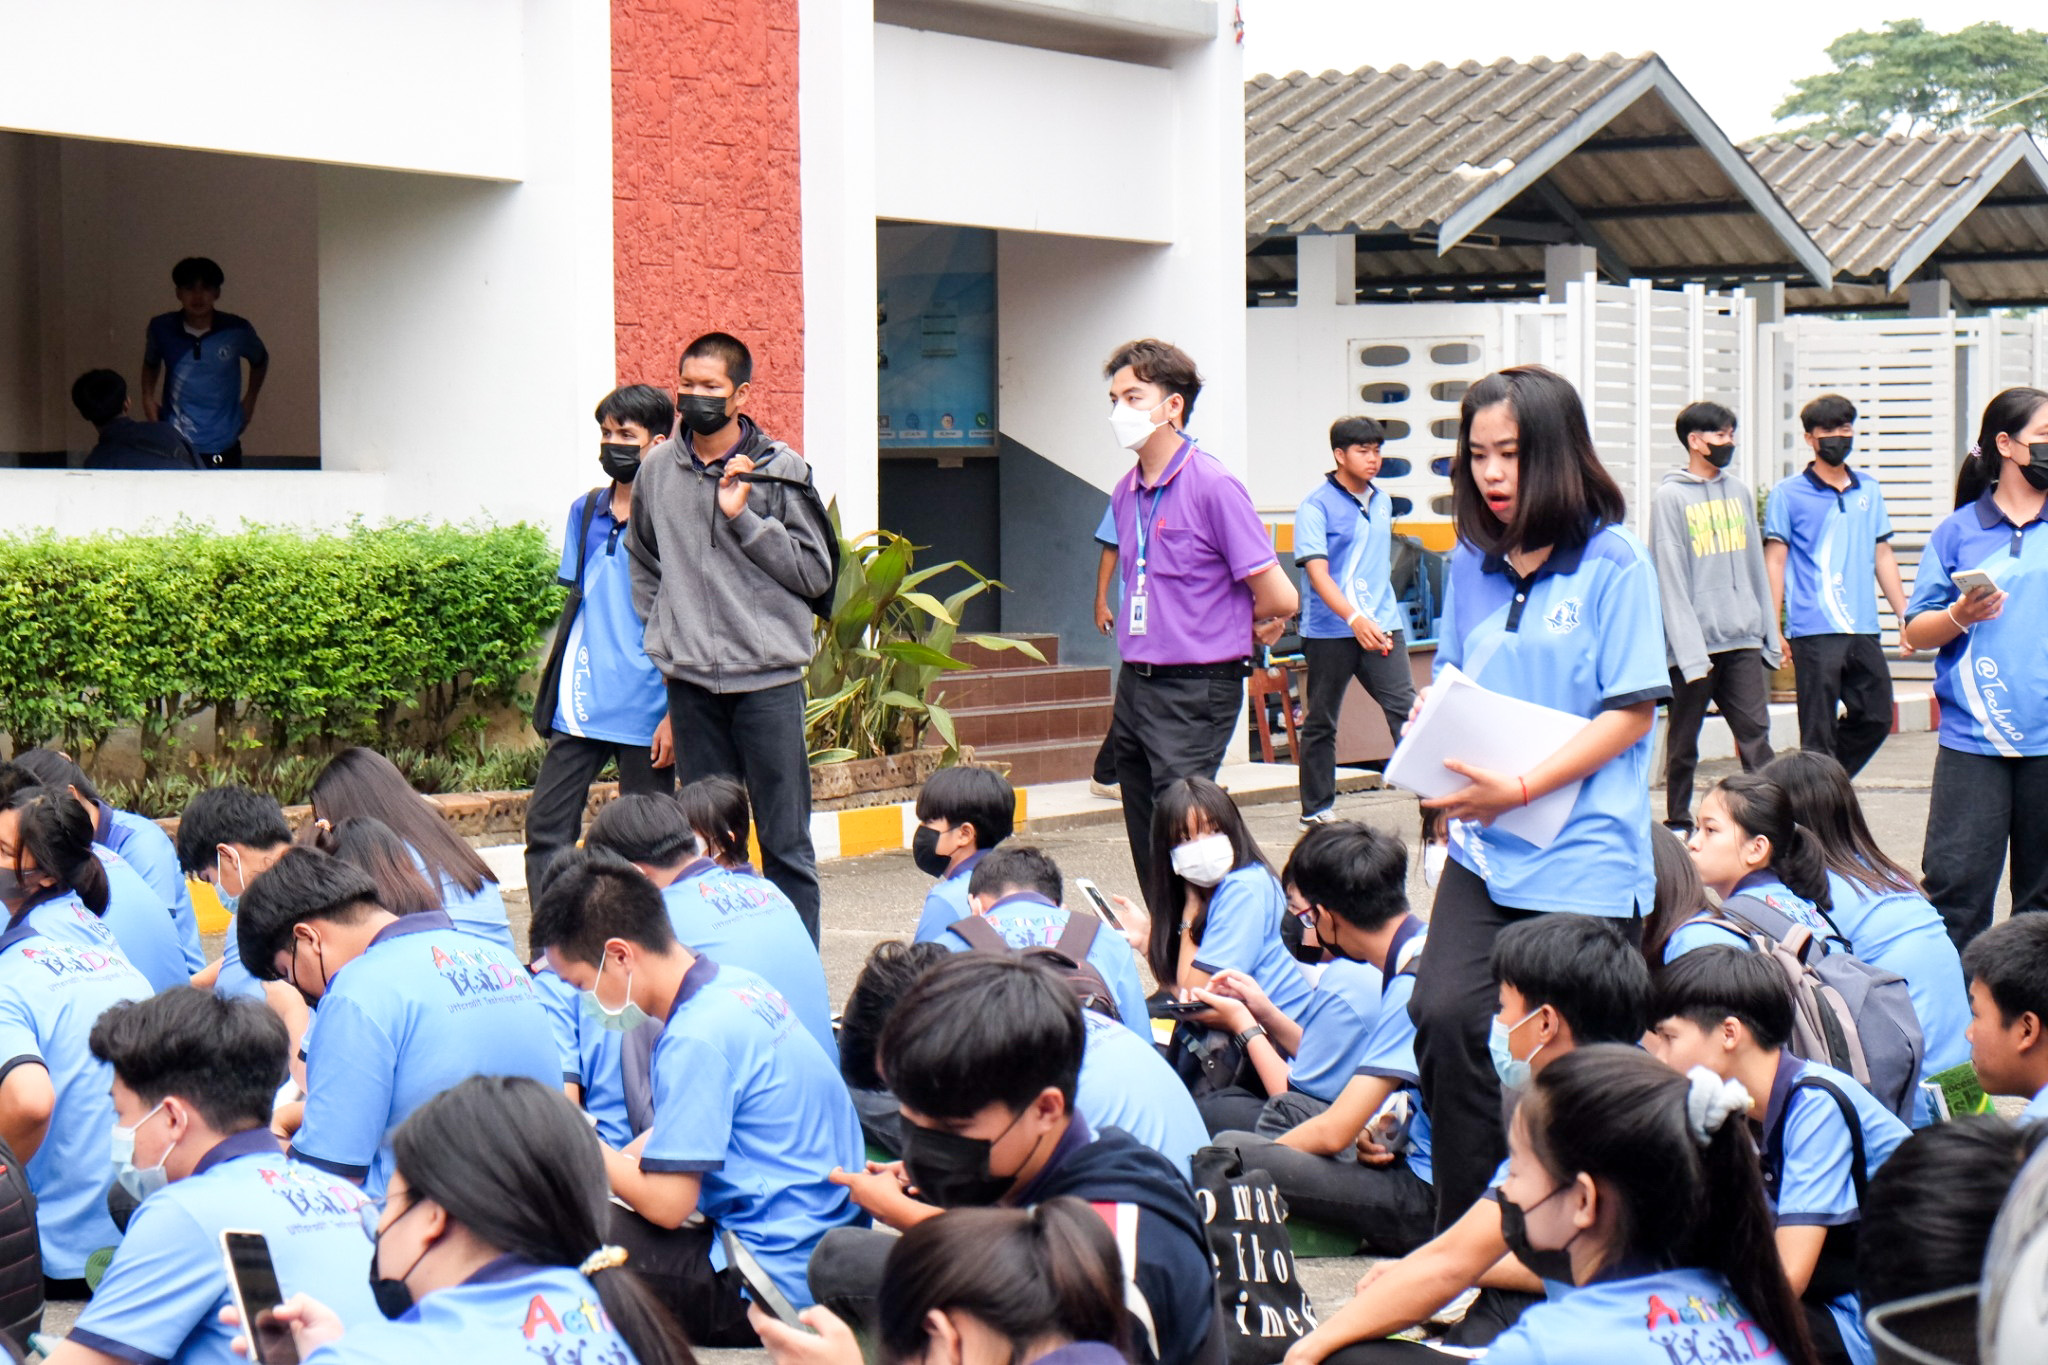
(1738, 57)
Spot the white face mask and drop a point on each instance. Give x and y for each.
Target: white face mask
(144, 1181)
(1204, 861)
(1132, 427)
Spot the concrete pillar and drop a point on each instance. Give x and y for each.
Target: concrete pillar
(1566, 263)
(1326, 270)
(1770, 300)
(1928, 299)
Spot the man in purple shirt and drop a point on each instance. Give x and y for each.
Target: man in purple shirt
(1200, 580)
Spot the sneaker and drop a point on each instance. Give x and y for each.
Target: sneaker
(1326, 816)
(1108, 791)
(1434, 856)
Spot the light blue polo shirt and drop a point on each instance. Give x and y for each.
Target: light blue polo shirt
(425, 1007)
(1356, 536)
(1901, 932)
(1242, 931)
(233, 981)
(610, 689)
(739, 918)
(162, 1296)
(142, 843)
(591, 1057)
(2037, 1107)
(1832, 540)
(508, 1310)
(1992, 680)
(1026, 919)
(51, 994)
(745, 1098)
(1637, 1315)
(1126, 1084)
(946, 903)
(1390, 1047)
(141, 924)
(1584, 635)
(1336, 1028)
(1760, 885)
(480, 912)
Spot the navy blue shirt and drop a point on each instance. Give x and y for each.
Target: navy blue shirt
(203, 376)
(128, 444)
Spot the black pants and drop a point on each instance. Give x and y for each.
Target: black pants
(676, 1265)
(231, 458)
(554, 815)
(1105, 763)
(1165, 729)
(1980, 805)
(1737, 684)
(757, 737)
(1332, 664)
(1848, 671)
(1255, 1112)
(846, 1274)
(1388, 1208)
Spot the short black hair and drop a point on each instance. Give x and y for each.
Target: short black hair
(228, 815)
(99, 395)
(198, 270)
(1708, 985)
(303, 884)
(1582, 967)
(716, 809)
(890, 971)
(591, 897)
(1160, 362)
(651, 408)
(14, 779)
(1346, 432)
(981, 797)
(1017, 868)
(225, 1058)
(643, 828)
(1705, 417)
(1928, 1213)
(728, 350)
(1828, 410)
(1355, 872)
(57, 770)
(981, 1030)
(2011, 959)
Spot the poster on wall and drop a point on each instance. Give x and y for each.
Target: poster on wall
(936, 335)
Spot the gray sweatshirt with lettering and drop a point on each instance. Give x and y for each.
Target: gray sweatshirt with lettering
(1710, 572)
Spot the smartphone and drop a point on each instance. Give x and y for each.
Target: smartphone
(1968, 581)
(1099, 901)
(760, 1288)
(1175, 1009)
(253, 1280)
(1390, 1126)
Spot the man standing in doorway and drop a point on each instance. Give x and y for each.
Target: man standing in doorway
(1201, 583)
(728, 549)
(198, 352)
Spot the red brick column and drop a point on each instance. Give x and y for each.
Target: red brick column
(707, 215)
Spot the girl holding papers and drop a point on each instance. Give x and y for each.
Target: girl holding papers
(1549, 600)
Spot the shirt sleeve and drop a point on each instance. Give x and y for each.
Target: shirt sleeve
(19, 1041)
(1390, 1049)
(693, 1107)
(165, 1281)
(1881, 517)
(253, 349)
(1702, 934)
(563, 1004)
(1311, 531)
(152, 353)
(572, 552)
(1105, 530)
(351, 1063)
(1630, 664)
(1778, 515)
(1231, 933)
(1933, 589)
(1240, 537)
(1818, 1186)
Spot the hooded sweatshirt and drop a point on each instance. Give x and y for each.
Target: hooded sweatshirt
(1710, 572)
(726, 601)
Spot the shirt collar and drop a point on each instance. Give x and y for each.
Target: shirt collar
(966, 868)
(696, 867)
(504, 1268)
(1990, 514)
(700, 975)
(420, 922)
(1781, 1090)
(687, 439)
(1410, 927)
(103, 826)
(1855, 481)
(257, 1141)
(1024, 898)
(1077, 1136)
(1181, 459)
(1560, 560)
(1364, 500)
(1763, 876)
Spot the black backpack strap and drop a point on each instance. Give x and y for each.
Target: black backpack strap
(583, 531)
(980, 935)
(1859, 1168)
(1076, 938)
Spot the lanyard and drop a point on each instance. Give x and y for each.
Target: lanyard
(1144, 527)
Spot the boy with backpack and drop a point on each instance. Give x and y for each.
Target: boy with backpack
(962, 813)
(2007, 968)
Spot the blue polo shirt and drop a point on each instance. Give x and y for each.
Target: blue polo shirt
(610, 689)
(1760, 885)
(1992, 680)
(1336, 1028)
(744, 1098)
(1028, 920)
(1126, 1084)
(425, 1007)
(1356, 535)
(739, 918)
(162, 1296)
(1584, 634)
(1636, 1315)
(51, 994)
(1901, 932)
(141, 924)
(142, 843)
(1832, 539)
(946, 903)
(1390, 1047)
(591, 1057)
(203, 376)
(1241, 930)
(480, 912)
(2037, 1107)
(508, 1310)
(233, 981)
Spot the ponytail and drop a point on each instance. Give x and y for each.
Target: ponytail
(2008, 414)
(1736, 1240)
(1761, 807)
(57, 833)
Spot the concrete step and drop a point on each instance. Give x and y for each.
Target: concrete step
(1059, 721)
(1024, 686)
(1003, 660)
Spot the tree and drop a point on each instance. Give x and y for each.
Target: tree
(1906, 79)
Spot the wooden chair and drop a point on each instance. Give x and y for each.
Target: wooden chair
(1277, 678)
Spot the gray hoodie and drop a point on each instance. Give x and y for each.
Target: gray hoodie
(725, 602)
(1710, 572)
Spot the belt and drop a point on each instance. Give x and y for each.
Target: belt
(1229, 668)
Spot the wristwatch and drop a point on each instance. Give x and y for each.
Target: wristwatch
(1255, 1031)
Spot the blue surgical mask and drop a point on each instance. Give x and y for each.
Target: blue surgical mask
(139, 1183)
(227, 902)
(1513, 1071)
(624, 1019)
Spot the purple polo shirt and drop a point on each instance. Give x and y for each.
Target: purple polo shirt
(1202, 541)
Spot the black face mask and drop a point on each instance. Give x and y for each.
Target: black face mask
(2036, 472)
(924, 851)
(620, 461)
(1555, 1264)
(394, 1300)
(1834, 449)
(1293, 935)
(702, 413)
(950, 1170)
(1719, 456)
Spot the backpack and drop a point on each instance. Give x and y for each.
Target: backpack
(1068, 956)
(21, 1260)
(807, 493)
(1265, 1309)
(1846, 1013)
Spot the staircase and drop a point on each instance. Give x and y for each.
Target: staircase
(1045, 720)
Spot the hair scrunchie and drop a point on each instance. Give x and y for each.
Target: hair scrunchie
(1709, 1101)
(1975, 450)
(604, 1258)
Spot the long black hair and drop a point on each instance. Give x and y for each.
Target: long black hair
(1764, 810)
(1617, 1114)
(57, 833)
(514, 1162)
(1167, 892)
(1032, 1276)
(716, 809)
(1820, 790)
(1562, 491)
(368, 844)
(1679, 896)
(362, 781)
(2008, 414)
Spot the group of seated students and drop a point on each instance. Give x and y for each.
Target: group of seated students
(990, 1152)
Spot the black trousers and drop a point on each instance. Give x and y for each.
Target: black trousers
(1980, 806)
(1105, 763)
(676, 1265)
(231, 458)
(1164, 729)
(1332, 664)
(846, 1274)
(554, 815)
(1737, 684)
(1388, 1208)
(757, 737)
(1847, 672)
(1255, 1112)
(1493, 1312)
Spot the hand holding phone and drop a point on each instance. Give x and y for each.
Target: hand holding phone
(253, 1280)
(760, 1288)
(1099, 901)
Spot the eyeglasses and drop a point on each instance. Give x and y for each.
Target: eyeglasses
(372, 1214)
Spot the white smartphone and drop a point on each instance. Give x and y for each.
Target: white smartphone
(759, 1286)
(1099, 901)
(253, 1281)
(1968, 581)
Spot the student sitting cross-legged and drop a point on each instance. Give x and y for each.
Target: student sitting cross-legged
(750, 1117)
(962, 813)
(193, 1080)
(2007, 967)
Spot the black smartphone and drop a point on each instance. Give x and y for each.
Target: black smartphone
(253, 1280)
(1099, 901)
(1175, 1009)
(760, 1288)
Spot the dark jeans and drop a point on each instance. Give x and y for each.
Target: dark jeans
(1980, 805)
(846, 1273)
(1847, 671)
(1737, 684)
(1332, 664)
(554, 815)
(1388, 1208)
(676, 1266)
(1165, 729)
(757, 737)
(1268, 1117)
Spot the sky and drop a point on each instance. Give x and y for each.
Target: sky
(1739, 58)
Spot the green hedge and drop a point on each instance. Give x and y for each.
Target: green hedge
(374, 635)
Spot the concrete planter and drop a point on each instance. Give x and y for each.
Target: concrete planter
(872, 781)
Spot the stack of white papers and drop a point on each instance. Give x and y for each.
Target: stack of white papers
(1486, 729)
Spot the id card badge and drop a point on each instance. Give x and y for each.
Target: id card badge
(1138, 613)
